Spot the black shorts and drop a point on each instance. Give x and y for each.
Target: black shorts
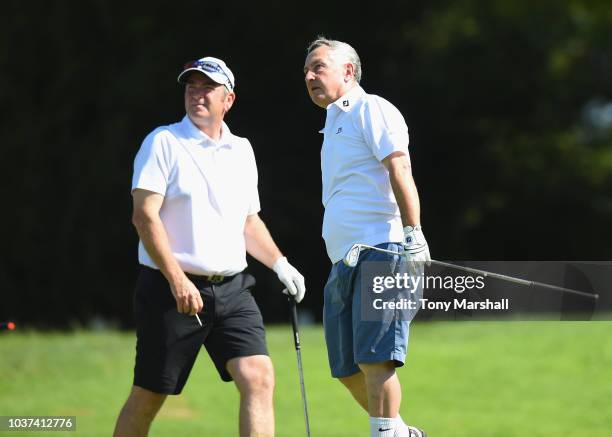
(168, 342)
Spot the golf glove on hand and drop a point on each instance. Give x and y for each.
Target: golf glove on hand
(416, 250)
(291, 278)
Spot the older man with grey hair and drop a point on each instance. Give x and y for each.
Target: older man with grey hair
(369, 197)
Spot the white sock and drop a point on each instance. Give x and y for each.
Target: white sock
(401, 429)
(382, 427)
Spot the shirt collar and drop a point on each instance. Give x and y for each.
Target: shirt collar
(198, 137)
(348, 100)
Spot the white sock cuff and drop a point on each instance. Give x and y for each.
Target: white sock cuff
(382, 421)
(382, 427)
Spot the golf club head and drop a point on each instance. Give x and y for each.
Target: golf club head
(352, 256)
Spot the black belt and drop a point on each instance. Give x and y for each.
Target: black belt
(213, 279)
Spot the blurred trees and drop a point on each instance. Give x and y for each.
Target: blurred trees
(509, 105)
(519, 90)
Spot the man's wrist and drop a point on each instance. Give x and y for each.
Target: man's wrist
(279, 264)
(175, 276)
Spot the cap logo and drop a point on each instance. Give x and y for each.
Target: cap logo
(210, 67)
(345, 103)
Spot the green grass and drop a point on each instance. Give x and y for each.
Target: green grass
(461, 379)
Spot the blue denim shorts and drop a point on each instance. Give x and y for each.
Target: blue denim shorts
(350, 339)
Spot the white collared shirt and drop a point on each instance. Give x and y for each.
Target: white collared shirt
(209, 189)
(360, 207)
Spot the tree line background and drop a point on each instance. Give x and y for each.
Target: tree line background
(508, 103)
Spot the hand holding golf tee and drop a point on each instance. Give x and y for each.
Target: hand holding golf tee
(291, 278)
(188, 298)
(416, 249)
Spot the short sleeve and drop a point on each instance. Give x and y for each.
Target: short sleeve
(152, 164)
(384, 128)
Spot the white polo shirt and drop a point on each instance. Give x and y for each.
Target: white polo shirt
(360, 207)
(209, 189)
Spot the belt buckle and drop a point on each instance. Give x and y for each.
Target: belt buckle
(215, 278)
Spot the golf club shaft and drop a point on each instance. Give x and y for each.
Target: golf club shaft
(516, 280)
(298, 350)
(499, 276)
(303, 389)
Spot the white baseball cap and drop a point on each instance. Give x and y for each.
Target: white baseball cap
(212, 67)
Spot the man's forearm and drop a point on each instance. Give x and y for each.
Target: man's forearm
(261, 246)
(155, 240)
(259, 243)
(406, 195)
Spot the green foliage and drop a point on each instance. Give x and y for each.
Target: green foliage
(516, 86)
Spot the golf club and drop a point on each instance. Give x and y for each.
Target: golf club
(352, 256)
(296, 340)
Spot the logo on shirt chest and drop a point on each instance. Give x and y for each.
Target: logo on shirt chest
(339, 131)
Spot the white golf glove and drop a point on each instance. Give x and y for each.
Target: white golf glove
(291, 278)
(416, 250)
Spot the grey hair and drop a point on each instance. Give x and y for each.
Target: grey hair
(341, 51)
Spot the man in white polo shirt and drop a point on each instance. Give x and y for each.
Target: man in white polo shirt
(195, 202)
(369, 197)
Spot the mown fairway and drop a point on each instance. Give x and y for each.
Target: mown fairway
(461, 379)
